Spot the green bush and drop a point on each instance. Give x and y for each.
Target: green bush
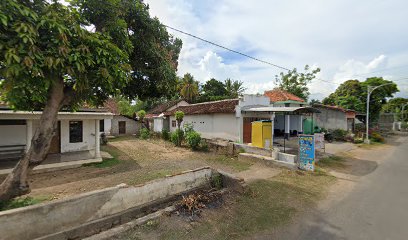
(203, 145)
(376, 137)
(177, 137)
(404, 125)
(193, 139)
(144, 133)
(165, 134)
(188, 127)
(339, 134)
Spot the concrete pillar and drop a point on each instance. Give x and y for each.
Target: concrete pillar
(241, 128)
(97, 140)
(287, 126)
(273, 127)
(301, 124)
(29, 133)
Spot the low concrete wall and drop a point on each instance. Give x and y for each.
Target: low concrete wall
(54, 218)
(251, 149)
(285, 157)
(268, 161)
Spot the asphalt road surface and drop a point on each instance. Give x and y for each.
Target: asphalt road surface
(376, 208)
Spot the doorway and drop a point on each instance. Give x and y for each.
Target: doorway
(122, 127)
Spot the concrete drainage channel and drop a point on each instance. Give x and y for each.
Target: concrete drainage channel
(91, 213)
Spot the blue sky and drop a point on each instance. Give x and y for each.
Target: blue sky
(346, 39)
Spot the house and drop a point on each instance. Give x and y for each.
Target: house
(119, 124)
(157, 120)
(212, 119)
(124, 125)
(286, 124)
(77, 135)
(231, 119)
(334, 117)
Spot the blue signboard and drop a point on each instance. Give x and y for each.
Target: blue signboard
(306, 152)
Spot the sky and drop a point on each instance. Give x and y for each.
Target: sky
(347, 39)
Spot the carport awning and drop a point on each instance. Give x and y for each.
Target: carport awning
(283, 110)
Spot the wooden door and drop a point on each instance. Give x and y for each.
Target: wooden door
(122, 127)
(247, 130)
(55, 146)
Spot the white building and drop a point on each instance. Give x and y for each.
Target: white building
(157, 121)
(77, 135)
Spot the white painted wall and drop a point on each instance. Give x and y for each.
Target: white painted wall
(108, 126)
(88, 137)
(12, 135)
(132, 126)
(218, 125)
(157, 124)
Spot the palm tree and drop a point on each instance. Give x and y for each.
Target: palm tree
(189, 89)
(234, 87)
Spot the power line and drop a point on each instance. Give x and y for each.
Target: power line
(229, 49)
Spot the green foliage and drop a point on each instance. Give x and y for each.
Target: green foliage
(396, 105)
(165, 134)
(179, 115)
(339, 134)
(296, 83)
(376, 137)
(152, 51)
(214, 87)
(234, 88)
(189, 87)
(216, 181)
(352, 94)
(193, 139)
(43, 43)
(21, 202)
(177, 137)
(141, 115)
(144, 133)
(314, 101)
(188, 127)
(404, 125)
(203, 145)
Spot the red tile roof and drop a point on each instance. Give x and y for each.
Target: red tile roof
(222, 106)
(279, 95)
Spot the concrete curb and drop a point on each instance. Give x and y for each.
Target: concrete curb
(127, 226)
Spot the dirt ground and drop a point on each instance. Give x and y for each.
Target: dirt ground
(136, 161)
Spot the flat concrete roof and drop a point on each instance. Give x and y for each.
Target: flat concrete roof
(10, 114)
(291, 110)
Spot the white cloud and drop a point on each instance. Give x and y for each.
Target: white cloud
(322, 32)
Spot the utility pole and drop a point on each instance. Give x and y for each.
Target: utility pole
(370, 90)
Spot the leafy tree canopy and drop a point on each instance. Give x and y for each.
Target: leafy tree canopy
(153, 52)
(352, 94)
(296, 83)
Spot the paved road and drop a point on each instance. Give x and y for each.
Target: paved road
(377, 208)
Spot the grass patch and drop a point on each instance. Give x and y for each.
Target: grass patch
(371, 145)
(22, 202)
(232, 162)
(121, 138)
(267, 205)
(108, 162)
(332, 162)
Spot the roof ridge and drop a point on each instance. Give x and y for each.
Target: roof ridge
(223, 100)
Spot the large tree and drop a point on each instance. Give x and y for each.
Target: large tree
(296, 83)
(234, 88)
(49, 61)
(352, 94)
(189, 87)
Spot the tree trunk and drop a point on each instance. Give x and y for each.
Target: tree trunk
(16, 182)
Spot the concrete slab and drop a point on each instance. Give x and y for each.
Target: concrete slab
(56, 166)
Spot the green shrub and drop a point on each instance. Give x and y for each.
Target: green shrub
(165, 134)
(376, 137)
(188, 127)
(193, 139)
(177, 137)
(203, 145)
(144, 133)
(404, 125)
(339, 134)
(216, 181)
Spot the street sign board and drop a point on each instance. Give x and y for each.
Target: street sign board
(306, 152)
(319, 140)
